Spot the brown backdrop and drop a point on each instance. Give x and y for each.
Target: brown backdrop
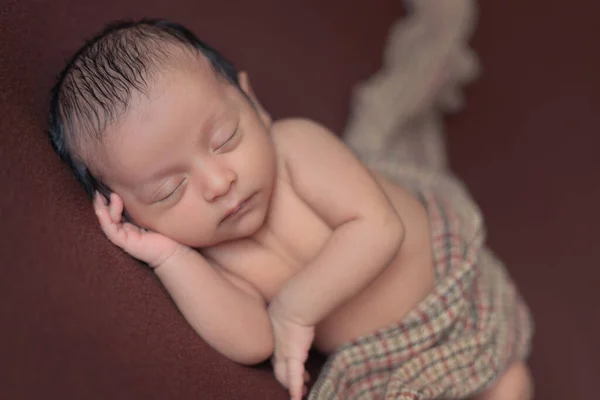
(80, 319)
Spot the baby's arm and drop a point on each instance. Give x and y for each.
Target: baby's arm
(367, 232)
(226, 312)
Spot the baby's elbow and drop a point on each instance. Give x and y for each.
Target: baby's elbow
(400, 232)
(255, 354)
(255, 347)
(394, 232)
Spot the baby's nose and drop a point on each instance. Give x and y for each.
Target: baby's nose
(218, 182)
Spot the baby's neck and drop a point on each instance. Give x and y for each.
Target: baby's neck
(265, 240)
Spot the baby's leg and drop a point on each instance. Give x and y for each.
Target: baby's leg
(515, 384)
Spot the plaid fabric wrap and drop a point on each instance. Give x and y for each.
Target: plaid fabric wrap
(455, 343)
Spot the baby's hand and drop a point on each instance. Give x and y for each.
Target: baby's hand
(149, 247)
(292, 343)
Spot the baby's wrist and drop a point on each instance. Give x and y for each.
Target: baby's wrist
(284, 307)
(176, 257)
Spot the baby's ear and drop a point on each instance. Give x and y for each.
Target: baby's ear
(247, 88)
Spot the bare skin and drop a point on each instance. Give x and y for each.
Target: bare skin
(270, 237)
(514, 384)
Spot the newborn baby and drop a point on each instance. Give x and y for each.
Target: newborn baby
(271, 237)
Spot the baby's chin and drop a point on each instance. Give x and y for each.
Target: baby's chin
(248, 226)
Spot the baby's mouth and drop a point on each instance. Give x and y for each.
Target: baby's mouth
(238, 209)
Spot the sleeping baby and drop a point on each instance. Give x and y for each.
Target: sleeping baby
(271, 236)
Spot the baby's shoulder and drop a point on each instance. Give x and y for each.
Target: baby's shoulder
(285, 134)
(299, 136)
(295, 124)
(290, 130)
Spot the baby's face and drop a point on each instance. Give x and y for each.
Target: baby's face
(193, 160)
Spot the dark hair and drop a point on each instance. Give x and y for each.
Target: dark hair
(95, 86)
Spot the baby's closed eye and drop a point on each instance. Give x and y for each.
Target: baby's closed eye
(225, 140)
(169, 190)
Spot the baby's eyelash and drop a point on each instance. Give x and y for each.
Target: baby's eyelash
(167, 197)
(228, 139)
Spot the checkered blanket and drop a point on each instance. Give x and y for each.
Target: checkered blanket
(474, 324)
(455, 343)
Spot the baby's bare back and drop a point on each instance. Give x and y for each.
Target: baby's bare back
(293, 236)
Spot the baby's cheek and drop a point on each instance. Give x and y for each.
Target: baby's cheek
(191, 227)
(135, 214)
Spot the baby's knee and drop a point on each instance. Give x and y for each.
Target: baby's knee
(521, 379)
(515, 384)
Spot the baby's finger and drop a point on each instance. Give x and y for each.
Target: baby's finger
(295, 378)
(113, 231)
(109, 228)
(279, 368)
(98, 202)
(306, 376)
(115, 207)
(132, 231)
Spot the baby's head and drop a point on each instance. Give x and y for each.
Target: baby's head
(147, 111)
